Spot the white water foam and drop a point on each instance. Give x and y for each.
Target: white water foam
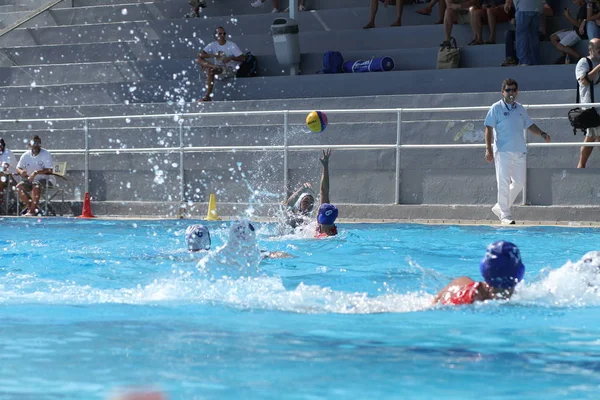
(575, 284)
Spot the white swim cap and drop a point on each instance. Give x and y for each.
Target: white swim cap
(197, 237)
(591, 259)
(242, 232)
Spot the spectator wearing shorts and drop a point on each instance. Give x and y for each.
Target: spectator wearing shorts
(35, 168)
(226, 57)
(565, 39)
(457, 12)
(585, 78)
(374, 6)
(490, 14)
(8, 169)
(592, 19)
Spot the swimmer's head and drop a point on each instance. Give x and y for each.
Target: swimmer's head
(328, 213)
(197, 238)
(242, 232)
(591, 259)
(501, 266)
(307, 203)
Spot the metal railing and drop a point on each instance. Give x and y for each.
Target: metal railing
(285, 148)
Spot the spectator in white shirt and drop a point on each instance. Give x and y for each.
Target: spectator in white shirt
(8, 168)
(35, 167)
(225, 56)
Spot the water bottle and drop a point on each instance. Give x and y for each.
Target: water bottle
(77, 193)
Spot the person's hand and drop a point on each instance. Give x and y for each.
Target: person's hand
(547, 138)
(30, 179)
(567, 12)
(582, 28)
(225, 60)
(307, 185)
(489, 156)
(325, 159)
(507, 7)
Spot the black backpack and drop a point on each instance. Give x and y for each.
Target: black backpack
(248, 67)
(583, 119)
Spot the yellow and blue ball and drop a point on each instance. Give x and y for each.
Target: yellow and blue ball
(316, 121)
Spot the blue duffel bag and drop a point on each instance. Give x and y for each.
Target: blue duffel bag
(372, 65)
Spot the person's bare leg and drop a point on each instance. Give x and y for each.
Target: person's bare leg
(399, 7)
(491, 15)
(276, 4)
(210, 82)
(476, 17)
(441, 12)
(586, 151)
(427, 9)
(372, 12)
(449, 17)
(35, 199)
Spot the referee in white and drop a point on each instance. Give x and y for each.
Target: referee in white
(505, 126)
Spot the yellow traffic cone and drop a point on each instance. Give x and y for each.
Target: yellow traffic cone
(212, 214)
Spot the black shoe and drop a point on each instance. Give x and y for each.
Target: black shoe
(510, 62)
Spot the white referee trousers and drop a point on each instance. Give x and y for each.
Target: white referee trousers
(510, 178)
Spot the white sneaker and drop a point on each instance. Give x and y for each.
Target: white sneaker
(496, 210)
(258, 3)
(273, 11)
(507, 221)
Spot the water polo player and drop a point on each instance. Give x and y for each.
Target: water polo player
(501, 269)
(328, 213)
(197, 238)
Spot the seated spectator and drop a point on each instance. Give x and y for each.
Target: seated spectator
(196, 6)
(429, 8)
(8, 169)
(565, 39)
(592, 20)
(492, 13)
(226, 57)
(260, 3)
(35, 168)
(373, 11)
(457, 12)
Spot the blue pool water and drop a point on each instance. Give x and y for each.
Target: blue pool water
(89, 307)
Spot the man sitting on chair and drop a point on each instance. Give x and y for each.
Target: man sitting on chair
(35, 167)
(8, 166)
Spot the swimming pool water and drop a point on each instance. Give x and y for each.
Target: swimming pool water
(88, 307)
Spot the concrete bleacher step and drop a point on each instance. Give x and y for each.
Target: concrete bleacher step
(186, 68)
(306, 86)
(83, 26)
(12, 110)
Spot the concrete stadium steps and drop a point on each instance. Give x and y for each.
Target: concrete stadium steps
(186, 68)
(243, 27)
(472, 80)
(228, 6)
(555, 96)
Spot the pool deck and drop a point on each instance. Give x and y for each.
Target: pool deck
(575, 216)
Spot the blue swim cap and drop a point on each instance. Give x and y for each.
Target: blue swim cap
(197, 238)
(502, 267)
(327, 214)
